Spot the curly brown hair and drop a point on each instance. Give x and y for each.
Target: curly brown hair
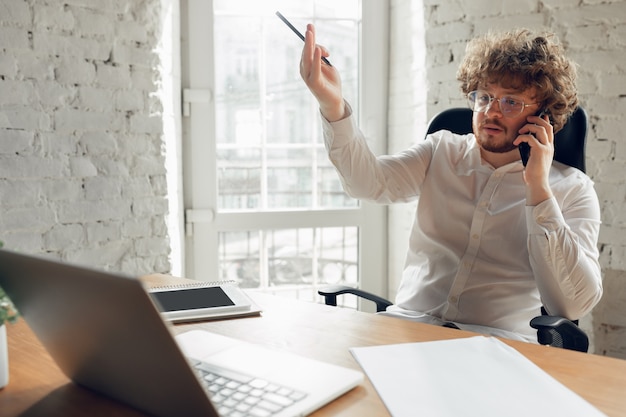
(522, 59)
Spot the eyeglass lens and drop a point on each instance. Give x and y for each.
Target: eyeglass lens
(480, 101)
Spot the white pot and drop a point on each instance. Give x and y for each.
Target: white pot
(4, 357)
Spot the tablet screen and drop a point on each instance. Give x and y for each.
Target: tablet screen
(192, 299)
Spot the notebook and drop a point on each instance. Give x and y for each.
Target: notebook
(106, 334)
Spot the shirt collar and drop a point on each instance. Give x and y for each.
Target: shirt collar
(471, 161)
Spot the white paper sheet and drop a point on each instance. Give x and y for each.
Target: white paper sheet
(476, 376)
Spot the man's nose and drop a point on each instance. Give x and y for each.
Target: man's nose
(493, 109)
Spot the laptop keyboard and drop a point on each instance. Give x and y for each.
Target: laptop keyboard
(235, 394)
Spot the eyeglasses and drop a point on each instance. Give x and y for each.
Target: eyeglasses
(481, 101)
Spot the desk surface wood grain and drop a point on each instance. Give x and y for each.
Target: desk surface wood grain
(37, 387)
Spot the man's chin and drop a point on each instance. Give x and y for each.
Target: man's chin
(489, 146)
(500, 149)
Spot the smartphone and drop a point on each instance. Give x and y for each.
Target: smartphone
(524, 148)
(524, 151)
(297, 32)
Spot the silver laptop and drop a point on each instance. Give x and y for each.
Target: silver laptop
(106, 334)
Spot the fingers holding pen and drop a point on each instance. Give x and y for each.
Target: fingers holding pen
(310, 63)
(308, 50)
(322, 79)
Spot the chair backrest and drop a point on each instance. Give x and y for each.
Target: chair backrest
(569, 142)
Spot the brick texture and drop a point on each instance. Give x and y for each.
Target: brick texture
(82, 171)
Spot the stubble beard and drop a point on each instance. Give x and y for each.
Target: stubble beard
(490, 144)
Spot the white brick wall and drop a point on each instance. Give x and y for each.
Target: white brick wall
(594, 32)
(82, 172)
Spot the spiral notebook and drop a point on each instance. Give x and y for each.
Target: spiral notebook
(203, 301)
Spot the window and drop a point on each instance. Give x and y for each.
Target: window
(264, 206)
(269, 152)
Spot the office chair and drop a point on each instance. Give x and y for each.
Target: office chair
(569, 149)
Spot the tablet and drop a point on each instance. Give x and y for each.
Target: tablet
(201, 301)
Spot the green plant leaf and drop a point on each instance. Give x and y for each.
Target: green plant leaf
(8, 312)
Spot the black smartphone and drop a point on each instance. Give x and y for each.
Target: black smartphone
(524, 148)
(524, 151)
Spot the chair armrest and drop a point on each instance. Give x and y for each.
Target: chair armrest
(330, 296)
(560, 332)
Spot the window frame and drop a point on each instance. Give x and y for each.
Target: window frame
(203, 222)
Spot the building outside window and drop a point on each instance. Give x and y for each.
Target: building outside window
(265, 207)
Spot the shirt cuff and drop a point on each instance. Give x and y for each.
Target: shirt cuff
(340, 132)
(544, 218)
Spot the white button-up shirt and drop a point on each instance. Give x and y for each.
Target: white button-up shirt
(477, 254)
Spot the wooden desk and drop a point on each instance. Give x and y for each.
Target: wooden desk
(38, 388)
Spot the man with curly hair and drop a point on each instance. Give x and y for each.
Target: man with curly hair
(493, 240)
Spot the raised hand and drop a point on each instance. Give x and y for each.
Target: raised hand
(323, 80)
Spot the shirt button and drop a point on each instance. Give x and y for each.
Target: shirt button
(475, 236)
(453, 299)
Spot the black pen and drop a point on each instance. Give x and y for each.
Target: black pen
(297, 32)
